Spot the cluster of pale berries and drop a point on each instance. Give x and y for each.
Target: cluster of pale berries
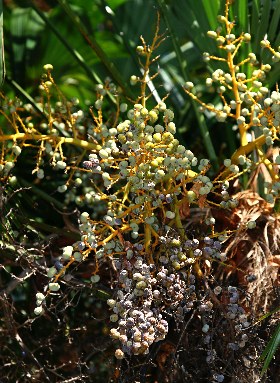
(140, 150)
(142, 153)
(147, 293)
(144, 150)
(75, 253)
(137, 308)
(259, 108)
(144, 293)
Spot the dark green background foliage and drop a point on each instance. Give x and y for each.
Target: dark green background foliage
(87, 41)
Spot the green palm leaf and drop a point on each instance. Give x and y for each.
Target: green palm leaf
(271, 349)
(2, 58)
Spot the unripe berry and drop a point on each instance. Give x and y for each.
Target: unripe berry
(133, 80)
(40, 297)
(84, 217)
(140, 49)
(241, 160)
(247, 37)
(265, 43)
(62, 188)
(227, 162)
(8, 166)
(123, 107)
(221, 40)
(205, 328)
(212, 34)
(38, 310)
(40, 174)
(16, 150)
(234, 168)
(95, 278)
(111, 303)
(161, 106)
(67, 252)
(153, 116)
(61, 165)
(48, 67)
(119, 354)
(51, 272)
(251, 224)
(170, 214)
(54, 286)
(191, 196)
(78, 256)
(114, 318)
(188, 85)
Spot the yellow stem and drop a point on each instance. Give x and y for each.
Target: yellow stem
(241, 127)
(61, 140)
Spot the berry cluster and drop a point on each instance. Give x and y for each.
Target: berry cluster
(147, 294)
(146, 175)
(246, 100)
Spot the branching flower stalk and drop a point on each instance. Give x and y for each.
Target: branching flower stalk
(149, 179)
(136, 187)
(148, 51)
(245, 100)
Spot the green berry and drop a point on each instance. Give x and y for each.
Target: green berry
(48, 67)
(133, 80)
(40, 297)
(8, 166)
(241, 160)
(38, 310)
(114, 318)
(62, 188)
(78, 256)
(140, 49)
(251, 224)
(16, 150)
(95, 278)
(188, 85)
(170, 214)
(119, 354)
(67, 252)
(212, 34)
(227, 162)
(40, 174)
(51, 272)
(123, 107)
(53, 286)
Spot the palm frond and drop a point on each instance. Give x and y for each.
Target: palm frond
(270, 349)
(2, 57)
